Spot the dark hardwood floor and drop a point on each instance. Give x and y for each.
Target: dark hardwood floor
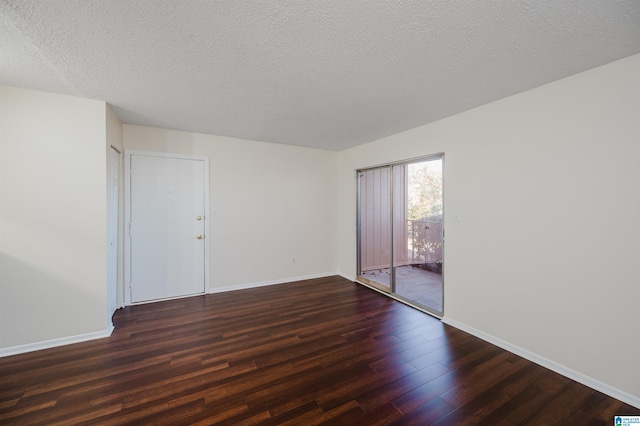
(323, 351)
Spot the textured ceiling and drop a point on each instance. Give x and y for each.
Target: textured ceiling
(325, 73)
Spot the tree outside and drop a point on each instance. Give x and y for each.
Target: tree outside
(425, 190)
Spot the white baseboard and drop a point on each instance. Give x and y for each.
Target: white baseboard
(270, 282)
(46, 344)
(547, 363)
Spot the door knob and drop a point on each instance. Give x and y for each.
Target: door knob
(199, 237)
(198, 217)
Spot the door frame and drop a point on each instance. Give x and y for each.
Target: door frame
(362, 280)
(113, 225)
(127, 216)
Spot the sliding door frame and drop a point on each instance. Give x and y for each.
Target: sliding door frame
(392, 270)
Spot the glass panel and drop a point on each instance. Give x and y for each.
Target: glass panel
(374, 225)
(417, 232)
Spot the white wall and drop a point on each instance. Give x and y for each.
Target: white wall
(273, 202)
(52, 217)
(546, 255)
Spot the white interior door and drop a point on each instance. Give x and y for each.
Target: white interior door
(113, 184)
(167, 231)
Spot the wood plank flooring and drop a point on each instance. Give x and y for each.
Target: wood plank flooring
(322, 351)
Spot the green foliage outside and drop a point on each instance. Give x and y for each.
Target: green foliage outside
(425, 191)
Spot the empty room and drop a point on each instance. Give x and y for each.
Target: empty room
(292, 212)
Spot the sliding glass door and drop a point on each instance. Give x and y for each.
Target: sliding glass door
(374, 220)
(418, 233)
(400, 230)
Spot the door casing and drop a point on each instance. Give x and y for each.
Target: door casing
(113, 209)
